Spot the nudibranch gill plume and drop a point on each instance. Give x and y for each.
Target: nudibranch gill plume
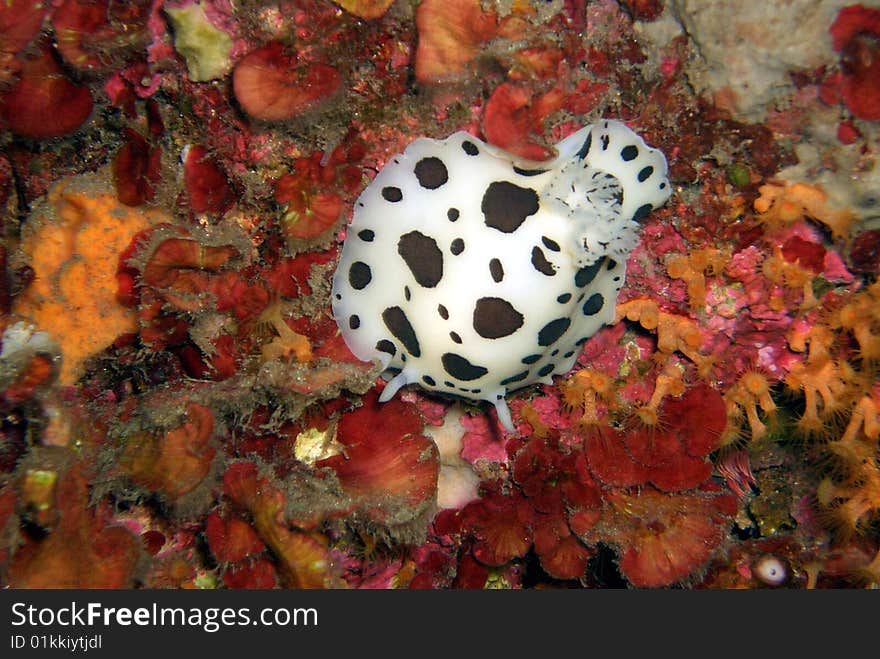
(471, 272)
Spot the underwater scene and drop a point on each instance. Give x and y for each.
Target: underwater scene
(440, 294)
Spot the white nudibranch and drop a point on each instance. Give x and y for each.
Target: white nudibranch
(471, 272)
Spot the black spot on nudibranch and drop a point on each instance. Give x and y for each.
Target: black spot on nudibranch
(406, 293)
(431, 173)
(519, 377)
(540, 262)
(611, 264)
(455, 337)
(366, 235)
(550, 244)
(565, 297)
(630, 152)
(605, 139)
(443, 311)
(506, 206)
(594, 304)
(641, 212)
(470, 148)
(585, 148)
(530, 359)
(496, 270)
(529, 172)
(428, 380)
(354, 321)
(645, 173)
(386, 346)
(546, 369)
(452, 214)
(422, 257)
(359, 275)
(459, 367)
(392, 194)
(457, 247)
(495, 318)
(588, 273)
(400, 327)
(551, 332)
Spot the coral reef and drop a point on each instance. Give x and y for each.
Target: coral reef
(180, 409)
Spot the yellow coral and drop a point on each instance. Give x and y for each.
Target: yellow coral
(585, 389)
(826, 389)
(791, 275)
(749, 394)
(674, 333)
(783, 203)
(73, 241)
(692, 270)
(861, 317)
(670, 382)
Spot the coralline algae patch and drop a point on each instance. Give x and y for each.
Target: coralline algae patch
(186, 402)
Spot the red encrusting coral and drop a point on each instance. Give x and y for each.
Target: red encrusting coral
(44, 103)
(663, 538)
(303, 558)
(175, 462)
(96, 34)
(136, 170)
(83, 548)
(513, 117)
(388, 469)
(272, 84)
(855, 34)
(20, 22)
(207, 185)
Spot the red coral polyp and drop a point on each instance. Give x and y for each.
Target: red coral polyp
(271, 84)
(92, 34)
(173, 258)
(177, 461)
(501, 525)
(513, 116)
(231, 539)
(386, 461)
(855, 34)
(673, 456)
(663, 538)
(206, 183)
(20, 21)
(450, 37)
(83, 549)
(136, 170)
(44, 103)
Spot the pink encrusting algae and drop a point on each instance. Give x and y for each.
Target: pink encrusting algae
(177, 181)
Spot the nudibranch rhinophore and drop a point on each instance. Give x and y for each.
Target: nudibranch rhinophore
(471, 272)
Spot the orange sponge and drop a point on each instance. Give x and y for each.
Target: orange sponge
(72, 241)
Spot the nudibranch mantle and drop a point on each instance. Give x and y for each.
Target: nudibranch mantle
(471, 272)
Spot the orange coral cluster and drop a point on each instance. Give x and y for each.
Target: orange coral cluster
(749, 396)
(587, 388)
(674, 333)
(777, 269)
(692, 269)
(853, 500)
(781, 204)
